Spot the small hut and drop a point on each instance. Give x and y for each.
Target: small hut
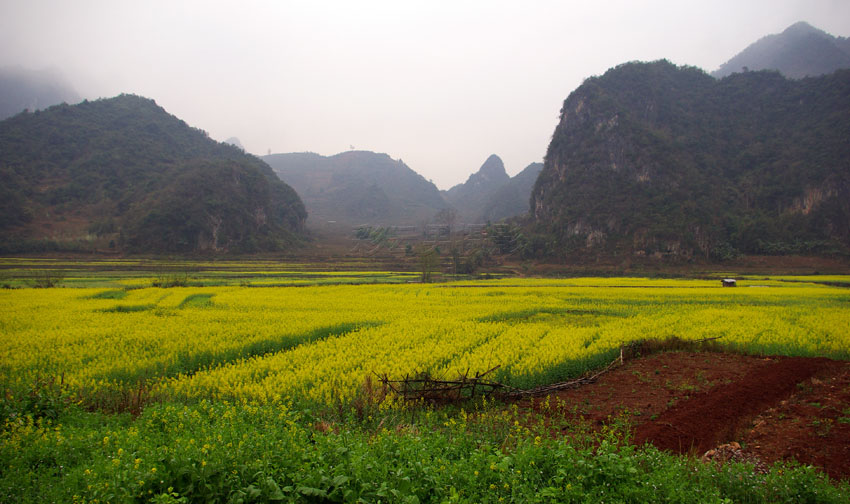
(729, 282)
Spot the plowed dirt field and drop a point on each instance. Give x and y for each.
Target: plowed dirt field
(776, 408)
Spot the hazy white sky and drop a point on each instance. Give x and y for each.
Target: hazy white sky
(439, 84)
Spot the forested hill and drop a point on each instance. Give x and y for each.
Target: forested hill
(358, 187)
(123, 173)
(651, 158)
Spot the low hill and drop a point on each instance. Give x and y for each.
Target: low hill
(651, 158)
(358, 187)
(22, 89)
(800, 51)
(124, 173)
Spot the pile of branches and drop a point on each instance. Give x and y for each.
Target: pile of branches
(424, 387)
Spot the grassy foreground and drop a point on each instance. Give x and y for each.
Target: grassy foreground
(224, 452)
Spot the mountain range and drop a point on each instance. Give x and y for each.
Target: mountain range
(366, 188)
(122, 173)
(647, 159)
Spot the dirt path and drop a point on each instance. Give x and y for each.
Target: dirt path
(778, 408)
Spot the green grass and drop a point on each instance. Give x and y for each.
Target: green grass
(222, 452)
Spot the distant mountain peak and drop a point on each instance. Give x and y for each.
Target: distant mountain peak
(801, 50)
(493, 168)
(802, 27)
(470, 197)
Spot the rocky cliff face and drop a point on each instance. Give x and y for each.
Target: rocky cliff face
(655, 159)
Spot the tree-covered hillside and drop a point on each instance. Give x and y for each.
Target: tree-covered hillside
(123, 173)
(651, 158)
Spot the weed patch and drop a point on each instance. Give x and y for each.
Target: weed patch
(129, 308)
(197, 301)
(110, 294)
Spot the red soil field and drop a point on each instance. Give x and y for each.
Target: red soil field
(775, 408)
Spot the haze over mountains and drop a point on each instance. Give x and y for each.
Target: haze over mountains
(358, 187)
(490, 195)
(365, 188)
(22, 89)
(800, 51)
(512, 199)
(647, 159)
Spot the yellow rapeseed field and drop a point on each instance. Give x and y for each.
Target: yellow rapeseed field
(319, 343)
